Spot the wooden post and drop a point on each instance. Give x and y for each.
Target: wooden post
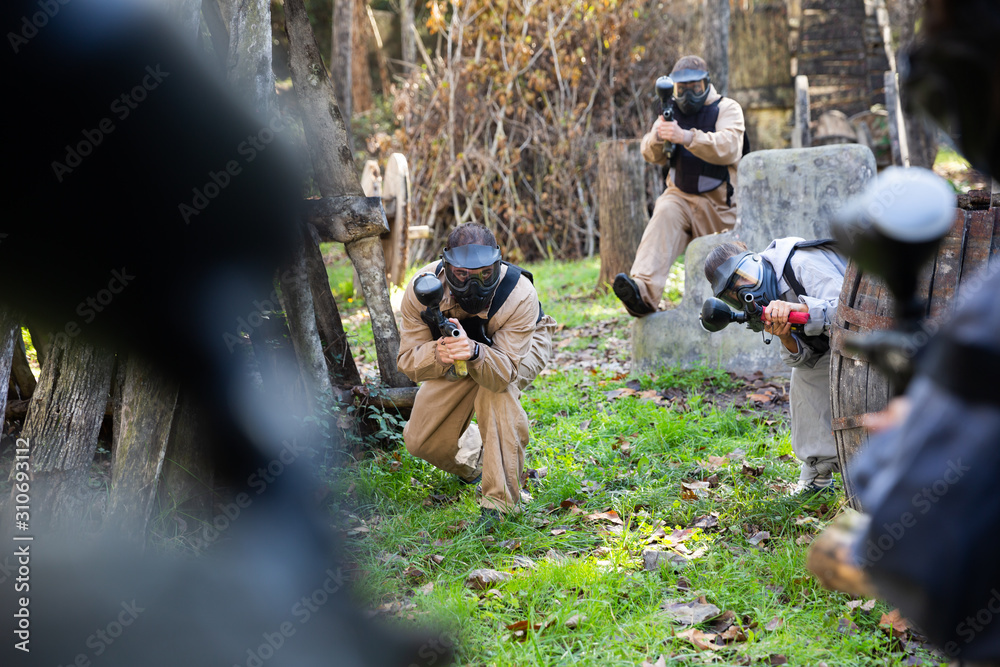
(396, 202)
(62, 427)
(715, 32)
(800, 135)
(622, 216)
(340, 59)
(897, 125)
(9, 326)
(148, 405)
(333, 166)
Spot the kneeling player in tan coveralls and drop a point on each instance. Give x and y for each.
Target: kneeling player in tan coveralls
(707, 139)
(483, 295)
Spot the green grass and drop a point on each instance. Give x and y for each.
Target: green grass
(608, 453)
(631, 457)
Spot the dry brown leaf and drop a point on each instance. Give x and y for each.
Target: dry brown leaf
(894, 624)
(414, 573)
(863, 605)
(574, 621)
(757, 538)
(733, 634)
(723, 622)
(426, 588)
(701, 640)
(661, 662)
(690, 613)
(803, 540)
(774, 624)
(437, 558)
(716, 462)
(610, 516)
(777, 659)
(707, 521)
(557, 531)
(485, 578)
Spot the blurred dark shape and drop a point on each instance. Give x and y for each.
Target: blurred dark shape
(953, 74)
(930, 485)
(891, 231)
(132, 171)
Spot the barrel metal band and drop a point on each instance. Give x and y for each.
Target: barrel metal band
(837, 335)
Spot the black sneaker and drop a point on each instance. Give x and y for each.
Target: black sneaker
(813, 492)
(628, 293)
(475, 480)
(488, 520)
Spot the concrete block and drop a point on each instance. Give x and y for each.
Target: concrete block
(791, 192)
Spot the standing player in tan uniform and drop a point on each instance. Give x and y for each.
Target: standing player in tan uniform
(707, 134)
(494, 302)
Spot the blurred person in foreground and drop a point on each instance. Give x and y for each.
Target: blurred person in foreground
(928, 481)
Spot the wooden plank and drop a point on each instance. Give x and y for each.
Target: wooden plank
(948, 268)
(977, 244)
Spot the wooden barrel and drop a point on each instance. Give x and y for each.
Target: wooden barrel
(857, 388)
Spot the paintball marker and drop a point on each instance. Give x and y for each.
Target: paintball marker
(716, 316)
(429, 291)
(891, 231)
(665, 91)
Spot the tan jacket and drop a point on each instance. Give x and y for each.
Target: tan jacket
(724, 146)
(511, 329)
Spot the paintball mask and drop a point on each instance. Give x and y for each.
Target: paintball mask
(745, 282)
(688, 100)
(472, 273)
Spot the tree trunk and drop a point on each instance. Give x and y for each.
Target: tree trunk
(301, 315)
(21, 368)
(247, 26)
(407, 32)
(187, 13)
(41, 342)
(249, 64)
(10, 334)
(361, 77)
(333, 166)
(336, 349)
(715, 31)
(340, 60)
(62, 427)
(147, 414)
(622, 215)
(217, 29)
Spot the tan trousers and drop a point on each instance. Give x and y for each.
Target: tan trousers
(442, 412)
(677, 219)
